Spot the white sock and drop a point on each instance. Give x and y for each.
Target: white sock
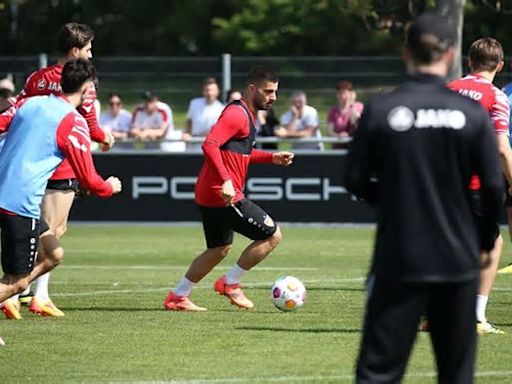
(235, 275)
(15, 297)
(184, 287)
(26, 291)
(481, 306)
(42, 286)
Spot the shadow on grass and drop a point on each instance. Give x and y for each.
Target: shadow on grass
(114, 309)
(312, 289)
(301, 330)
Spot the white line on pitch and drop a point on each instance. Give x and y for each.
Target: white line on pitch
(284, 379)
(177, 267)
(203, 286)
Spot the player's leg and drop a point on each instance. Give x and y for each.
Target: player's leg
(508, 205)
(219, 237)
(454, 335)
(393, 311)
(55, 209)
(487, 279)
(253, 222)
(19, 240)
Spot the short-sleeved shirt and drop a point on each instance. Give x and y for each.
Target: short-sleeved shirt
(203, 115)
(494, 101)
(340, 119)
(119, 123)
(309, 118)
(142, 119)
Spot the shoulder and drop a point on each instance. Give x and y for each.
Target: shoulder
(197, 102)
(309, 110)
(124, 113)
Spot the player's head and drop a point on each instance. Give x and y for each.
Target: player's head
(150, 102)
(77, 77)
(299, 99)
(262, 85)
(429, 43)
(75, 40)
(211, 89)
(486, 55)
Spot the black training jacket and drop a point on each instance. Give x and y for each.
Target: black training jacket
(412, 158)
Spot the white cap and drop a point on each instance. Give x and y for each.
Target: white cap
(7, 84)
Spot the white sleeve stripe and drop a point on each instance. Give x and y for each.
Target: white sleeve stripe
(73, 140)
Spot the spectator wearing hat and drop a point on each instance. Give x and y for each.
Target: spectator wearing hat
(152, 119)
(343, 118)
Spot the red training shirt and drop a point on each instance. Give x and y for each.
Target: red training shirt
(223, 160)
(494, 101)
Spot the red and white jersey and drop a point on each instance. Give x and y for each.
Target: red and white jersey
(143, 120)
(47, 81)
(494, 101)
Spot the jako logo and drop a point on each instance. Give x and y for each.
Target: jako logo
(402, 119)
(257, 188)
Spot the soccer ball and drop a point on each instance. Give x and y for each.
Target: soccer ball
(288, 294)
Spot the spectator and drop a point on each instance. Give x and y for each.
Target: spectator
(301, 121)
(6, 92)
(343, 118)
(232, 95)
(152, 119)
(116, 120)
(266, 123)
(203, 112)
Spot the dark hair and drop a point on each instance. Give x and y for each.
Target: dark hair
(258, 75)
(210, 80)
(485, 54)
(344, 86)
(76, 72)
(149, 96)
(113, 94)
(74, 35)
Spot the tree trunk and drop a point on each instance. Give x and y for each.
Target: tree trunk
(454, 10)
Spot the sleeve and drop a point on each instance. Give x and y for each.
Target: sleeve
(7, 115)
(360, 171)
(311, 119)
(500, 113)
(286, 118)
(189, 111)
(29, 87)
(74, 141)
(487, 167)
(258, 156)
(227, 126)
(88, 111)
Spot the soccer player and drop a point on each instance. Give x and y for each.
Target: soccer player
(228, 151)
(74, 41)
(43, 132)
(413, 156)
(485, 60)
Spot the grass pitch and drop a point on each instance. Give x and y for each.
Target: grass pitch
(115, 278)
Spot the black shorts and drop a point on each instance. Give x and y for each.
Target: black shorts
(19, 241)
(64, 185)
(488, 232)
(244, 217)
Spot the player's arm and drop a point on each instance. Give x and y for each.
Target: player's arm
(283, 158)
(505, 156)
(486, 166)
(74, 141)
(360, 173)
(500, 116)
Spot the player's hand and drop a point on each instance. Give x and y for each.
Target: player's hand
(115, 183)
(228, 192)
(283, 158)
(186, 137)
(108, 143)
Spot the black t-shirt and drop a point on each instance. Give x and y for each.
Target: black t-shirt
(412, 157)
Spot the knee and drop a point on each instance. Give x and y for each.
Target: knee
(223, 251)
(276, 238)
(56, 256)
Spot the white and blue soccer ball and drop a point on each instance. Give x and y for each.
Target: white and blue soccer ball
(288, 294)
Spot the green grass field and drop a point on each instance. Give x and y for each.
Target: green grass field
(115, 278)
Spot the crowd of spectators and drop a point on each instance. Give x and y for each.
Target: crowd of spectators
(151, 123)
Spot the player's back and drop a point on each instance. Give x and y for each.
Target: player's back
(423, 138)
(31, 153)
(45, 81)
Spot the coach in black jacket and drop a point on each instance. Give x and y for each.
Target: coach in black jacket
(412, 157)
